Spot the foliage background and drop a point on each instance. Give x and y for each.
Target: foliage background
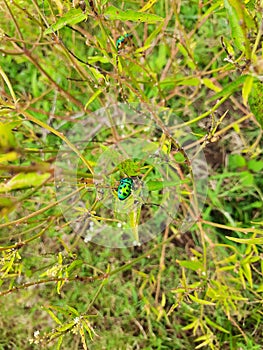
(201, 289)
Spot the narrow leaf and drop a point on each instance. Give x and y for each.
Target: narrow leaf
(208, 82)
(247, 272)
(158, 185)
(51, 313)
(230, 88)
(213, 324)
(190, 325)
(72, 310)
(154, 34)
(65, 327)
(200, 301)
(24, 180)
(247, 88)
(8, 157)
(73, 16)
(148, 5)
(246, 240)
(59, 343)
(192, 265)
(93, 97)
(234, 21)
(114, 13)
(255, 101)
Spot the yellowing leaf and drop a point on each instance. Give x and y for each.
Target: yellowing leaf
(148, 5)
(247, 272)
(24, 180)
(200, 301)
(247, 88)
(8, 157)
(93, 97)
(65, 327)
(7, 139)
(246, 240)
(208, 82)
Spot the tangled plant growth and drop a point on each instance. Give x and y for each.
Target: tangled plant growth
(168, 95)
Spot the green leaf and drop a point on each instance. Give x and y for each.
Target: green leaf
(88, 329)
(189, 81)
(211, 9)
(194, 324)
(5, 202)
(59, 343)
(179, 157)
(94, 59)
(141, 49)
(54, 335)
(246, 178)
(65, 327)
(158, 185)
(192, 265)
(153, 34)
(247, 272)
(257, 204)
(247, 88)
(207, 341)
(93, 97)
(74, 265)
(185, 53)
(54, 317)
(177, 81)
(114, 13)
(72, 310)
(255, 165)
(255, 101)
(234, 20)
(200, 301)
(24, 180)
(213, 324)
(236, 161)
(230, 88)
(96, 73)
(73, 16)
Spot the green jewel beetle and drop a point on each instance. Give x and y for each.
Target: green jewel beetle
(125, 188)
(122, 41)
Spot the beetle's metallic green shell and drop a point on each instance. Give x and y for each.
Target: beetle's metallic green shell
(122, 40)
(125, 188)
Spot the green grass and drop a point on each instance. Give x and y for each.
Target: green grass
(85, 274)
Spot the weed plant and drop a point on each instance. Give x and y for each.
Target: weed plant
(65, 282)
